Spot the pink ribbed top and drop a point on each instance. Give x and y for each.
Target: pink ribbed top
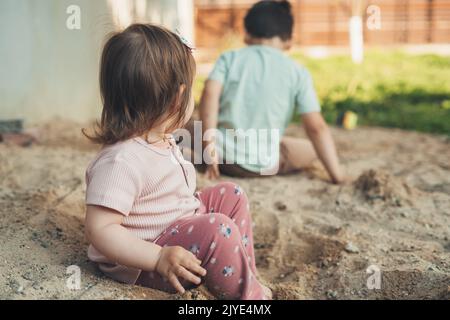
(152, 187)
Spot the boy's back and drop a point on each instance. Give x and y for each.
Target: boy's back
(262, 89)
(254, 92)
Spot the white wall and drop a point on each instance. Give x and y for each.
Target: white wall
(47, 70)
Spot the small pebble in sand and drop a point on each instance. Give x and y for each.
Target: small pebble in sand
(324, 263)
(433, 267)
(261, 245)
(332, 294)
(403, 214)
(280, 206)
(351, 248)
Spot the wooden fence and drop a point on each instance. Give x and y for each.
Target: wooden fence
(325, 22)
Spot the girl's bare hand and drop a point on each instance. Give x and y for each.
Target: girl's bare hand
(175, 262)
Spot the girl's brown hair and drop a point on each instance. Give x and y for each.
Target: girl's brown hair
(141, 73)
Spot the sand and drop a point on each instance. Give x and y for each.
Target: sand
(313, 240)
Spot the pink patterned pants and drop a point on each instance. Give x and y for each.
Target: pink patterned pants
(221, 236)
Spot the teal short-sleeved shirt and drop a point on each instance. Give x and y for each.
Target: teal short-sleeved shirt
(262, 90)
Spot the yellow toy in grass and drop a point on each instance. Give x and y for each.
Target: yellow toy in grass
(349, 120)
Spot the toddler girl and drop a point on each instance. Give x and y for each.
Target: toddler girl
(144, 221)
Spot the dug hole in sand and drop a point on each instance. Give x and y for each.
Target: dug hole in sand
(313, 240)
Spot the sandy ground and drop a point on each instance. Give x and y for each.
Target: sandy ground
(314, 240)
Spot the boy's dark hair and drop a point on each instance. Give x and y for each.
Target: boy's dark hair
(142, 70)
(268, 19)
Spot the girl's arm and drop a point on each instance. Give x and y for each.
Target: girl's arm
(105, 232)
(320, 136)
(209, 112)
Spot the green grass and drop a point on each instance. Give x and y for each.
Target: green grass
(390, 89)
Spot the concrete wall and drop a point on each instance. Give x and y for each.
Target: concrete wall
(47, 70)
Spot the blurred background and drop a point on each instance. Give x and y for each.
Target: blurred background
(387, 61)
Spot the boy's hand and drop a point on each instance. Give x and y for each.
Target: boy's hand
(318, 132)
(213, 172)
(342, 179)
(175, 262)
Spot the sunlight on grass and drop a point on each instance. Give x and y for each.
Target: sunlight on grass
(389, 89)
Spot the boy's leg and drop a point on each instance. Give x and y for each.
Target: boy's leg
(229, 199)
(216, 241)
(296, 154)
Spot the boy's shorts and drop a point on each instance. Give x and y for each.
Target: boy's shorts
(285, 166)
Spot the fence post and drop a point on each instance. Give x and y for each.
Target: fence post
(430, 17)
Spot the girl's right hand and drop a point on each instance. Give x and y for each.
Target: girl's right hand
(175, 262)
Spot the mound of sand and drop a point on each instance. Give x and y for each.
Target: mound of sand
(313, 240)
(380, 185)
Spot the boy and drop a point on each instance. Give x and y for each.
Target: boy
(258, 89)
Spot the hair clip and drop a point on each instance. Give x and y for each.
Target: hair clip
(184, 40)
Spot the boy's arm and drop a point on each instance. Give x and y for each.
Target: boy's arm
(320, 136)
(209, 111)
